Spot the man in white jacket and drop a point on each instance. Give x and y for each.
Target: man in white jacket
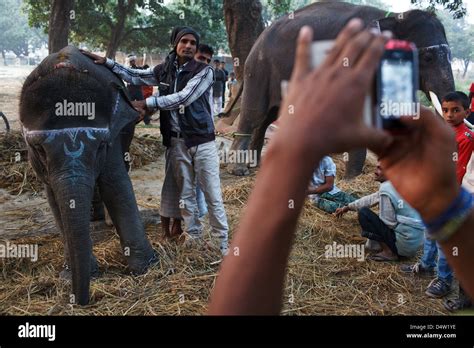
(397, 228)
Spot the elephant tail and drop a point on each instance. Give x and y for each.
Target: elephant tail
(234, 101)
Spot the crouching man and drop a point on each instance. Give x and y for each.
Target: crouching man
(398, 227)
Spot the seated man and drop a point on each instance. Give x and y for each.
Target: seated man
(398, 227)
(322, 191)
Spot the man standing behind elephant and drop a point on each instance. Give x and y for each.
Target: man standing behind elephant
(218, 87)
(187, 127)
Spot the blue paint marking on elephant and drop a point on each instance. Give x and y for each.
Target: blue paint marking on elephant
(71, 132)
(73, 163)
(116, 106)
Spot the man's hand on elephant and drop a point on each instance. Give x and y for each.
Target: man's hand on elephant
(421, 164)
(97, 59)
(140, 106)
(316, 114)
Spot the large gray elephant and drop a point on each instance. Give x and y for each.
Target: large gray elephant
(272, 57)
(72, 112)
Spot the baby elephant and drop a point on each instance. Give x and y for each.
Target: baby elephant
(72, 112)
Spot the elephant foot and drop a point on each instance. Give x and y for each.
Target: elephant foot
(66, 273)
(138, 268)
(238, 169)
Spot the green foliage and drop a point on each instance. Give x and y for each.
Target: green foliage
(15, 33)
(455, 7)
(460, 37)
(273, 9)
(374, 3)
(147, 26)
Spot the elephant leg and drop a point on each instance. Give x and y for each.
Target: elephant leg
(66, 272)
(258, 137)
(57, 218)
(248, 127)
(98, 213)
(355, 163)
(117, 192)
(126, 137)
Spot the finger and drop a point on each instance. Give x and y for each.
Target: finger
(354, 49)
(303, 53)
(425, 118)
(377, 140)
(371, 56)
(87, 53)
(354, 26)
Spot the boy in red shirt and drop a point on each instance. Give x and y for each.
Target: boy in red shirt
(455, 109)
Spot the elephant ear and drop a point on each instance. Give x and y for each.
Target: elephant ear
(123, 112)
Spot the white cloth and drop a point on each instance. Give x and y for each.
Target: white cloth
(217, 105)
(326, 167)
(468, 180)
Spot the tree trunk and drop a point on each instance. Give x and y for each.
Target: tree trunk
(466, 65)
(59, 24)
(118, 29)
(244, 23)
(355, 163)
(4, 58)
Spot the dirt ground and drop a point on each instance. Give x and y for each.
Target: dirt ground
(181, 282)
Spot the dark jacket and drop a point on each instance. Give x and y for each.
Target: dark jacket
(197, 126)
(135, 92)
(219, 80)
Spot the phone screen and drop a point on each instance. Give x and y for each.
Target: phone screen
(397, 85)
(397, 81)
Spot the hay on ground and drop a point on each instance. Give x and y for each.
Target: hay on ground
(181, 282)
(17, 175)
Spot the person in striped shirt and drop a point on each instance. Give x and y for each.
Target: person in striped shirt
(187, 128)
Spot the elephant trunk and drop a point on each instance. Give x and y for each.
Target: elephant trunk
(440, 82)
(74, 201)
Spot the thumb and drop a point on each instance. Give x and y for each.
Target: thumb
(377, 140)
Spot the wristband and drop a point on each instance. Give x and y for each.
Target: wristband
(444, 226)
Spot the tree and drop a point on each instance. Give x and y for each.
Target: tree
(59, 24)
(459, 34)
(374, 3)
(244, 23)
(15, 34)
(135, 25)
(456, 7)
